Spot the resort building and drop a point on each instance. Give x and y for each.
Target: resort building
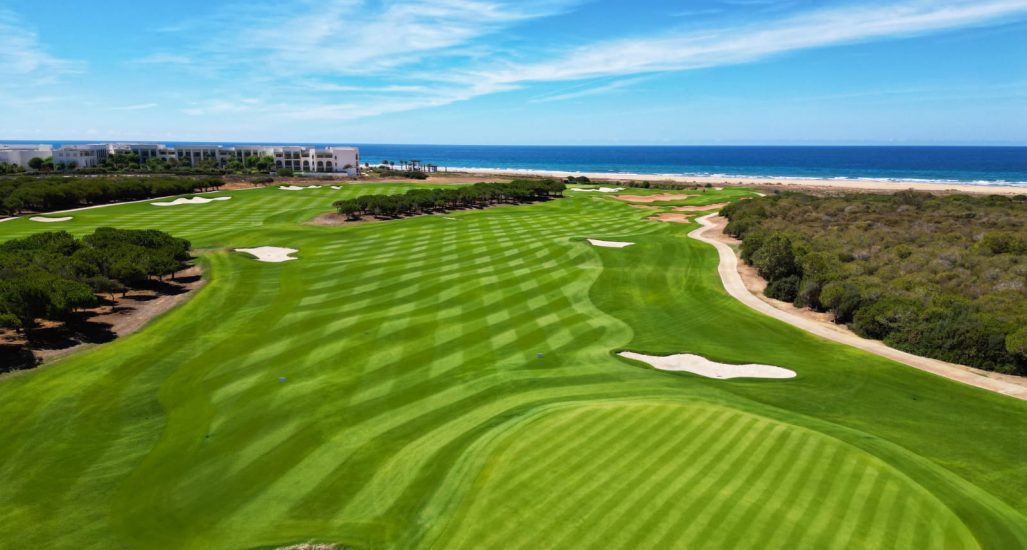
(295, 157)
(20, 155)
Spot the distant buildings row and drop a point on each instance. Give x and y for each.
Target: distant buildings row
(295, 157)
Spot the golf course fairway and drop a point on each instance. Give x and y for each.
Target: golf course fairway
(452, 382)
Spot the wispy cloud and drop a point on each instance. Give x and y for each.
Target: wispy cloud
(352, 37)
(350, 59)
(139, 107)
(164, 59)
(732, 45)
(25, 57)
(590, 91)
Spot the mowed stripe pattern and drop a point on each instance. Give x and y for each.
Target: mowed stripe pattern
(410, 353)
(662, 475)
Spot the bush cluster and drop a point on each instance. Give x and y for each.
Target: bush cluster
(943, 277)
(42, 194)
(405, 174)
(49, 275)
(423, 201)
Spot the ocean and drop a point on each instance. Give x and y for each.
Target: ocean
(981, 165)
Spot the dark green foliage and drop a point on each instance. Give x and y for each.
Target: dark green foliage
(423, 201)
(49, 275)
(43, 194)
(943, 277)
(786, 288)
(405, 174)
(577, 179)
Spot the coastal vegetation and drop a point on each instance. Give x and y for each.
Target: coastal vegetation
(49, 275)
(43, 194)
(428, 383)
(939, 276)
(425, 201)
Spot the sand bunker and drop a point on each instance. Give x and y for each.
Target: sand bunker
(652, 198)
(193, 200)
(298, 188)
(697, 364)
(599, 190)
(336, 187)
(669, 217)
(716, 206)
(274, 254)
(608, 244)
(50, 220)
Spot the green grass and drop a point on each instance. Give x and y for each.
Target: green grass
(417, 414)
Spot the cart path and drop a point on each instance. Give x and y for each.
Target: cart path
(712, 228)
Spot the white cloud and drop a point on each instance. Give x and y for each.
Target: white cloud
(25, 57)
(164, 59)
(690, 50)
(346, 37)
(346, 60)
(139, 107)
(591, 91)
(732, 45)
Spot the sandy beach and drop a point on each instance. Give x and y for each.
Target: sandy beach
(766, 182)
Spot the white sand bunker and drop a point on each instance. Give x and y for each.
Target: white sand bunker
(193, 200)
(599, 190)
(50, 220)
(608, 244)
(697, 364)
(298, 188)
(274, 254)
(336, 187)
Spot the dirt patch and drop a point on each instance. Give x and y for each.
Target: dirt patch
(653, 198)
(717, 206)
(669, 217)
(114, 318)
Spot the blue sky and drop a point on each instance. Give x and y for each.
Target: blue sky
(517, 72)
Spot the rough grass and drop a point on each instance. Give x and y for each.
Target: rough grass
(416, 412)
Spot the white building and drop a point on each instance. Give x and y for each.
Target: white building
(81, 156)
(298, 158)
(22, 154)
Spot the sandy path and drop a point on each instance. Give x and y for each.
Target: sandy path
(652, 198)
(703, 208)
(669, 217)
(712, 224)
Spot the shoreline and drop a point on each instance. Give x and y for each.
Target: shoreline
(795, 183)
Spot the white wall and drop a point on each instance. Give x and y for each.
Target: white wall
(22, 154)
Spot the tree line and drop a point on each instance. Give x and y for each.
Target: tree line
(425, 201)
(939, 276)
(50, 275)
(42, 194)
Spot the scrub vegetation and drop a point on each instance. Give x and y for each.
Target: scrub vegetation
(454, 383)
(940, 276)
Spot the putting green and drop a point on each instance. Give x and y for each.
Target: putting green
(417, 412)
